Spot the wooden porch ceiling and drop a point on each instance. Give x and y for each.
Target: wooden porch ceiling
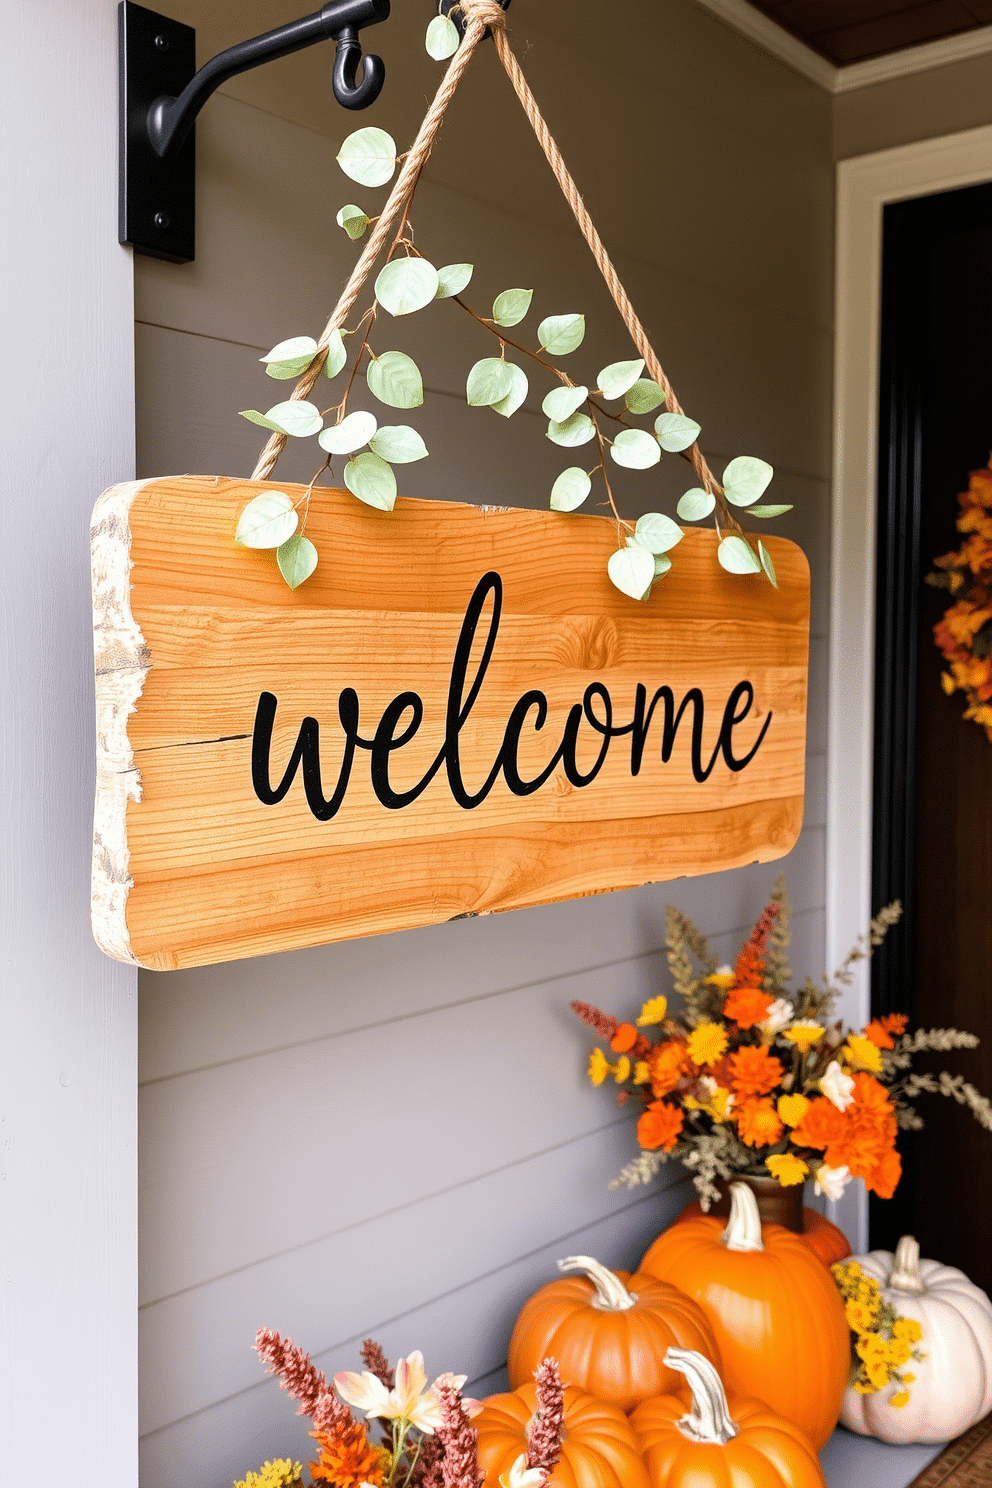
(846, 31)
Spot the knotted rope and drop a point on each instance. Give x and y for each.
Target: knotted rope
(481, 16)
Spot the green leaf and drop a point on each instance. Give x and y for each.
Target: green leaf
(767, 564)
(635, 449)
(657, 533)
(452, 279)
(368, 156)
(562, 402)
(267, 521)
(631, 570)
(442, 38)
(560, 334)
(370, 479)
(766, 512)
(511, 306)
(571, 432)
(518, 391)
(297, 559)
(489, 382)
(290, 358)
(696, 504)
(406, 285)
(354, 221)
(570, 489)
(675, 432)
(350, 434)
(661, 565)
(619, 377)
(336, 355)
(645, 396)
(745, 479)
(737, 556)
(294, 417)
(394, 378)
(399, 444)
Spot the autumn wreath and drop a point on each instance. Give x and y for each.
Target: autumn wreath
(964, 635)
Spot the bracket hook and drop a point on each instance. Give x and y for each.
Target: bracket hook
(349, 93)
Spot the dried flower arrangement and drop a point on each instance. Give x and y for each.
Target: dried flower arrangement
(964, 635)
(751, 1078)
(428, 1438)
(882, 1342)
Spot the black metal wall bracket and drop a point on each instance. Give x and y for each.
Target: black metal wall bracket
(161, 94)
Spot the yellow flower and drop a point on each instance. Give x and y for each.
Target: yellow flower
(804, 1034)
(863, 1386)
(900, 1399)
(871, 1348)
(792, 1109)
(707, 1043)
(598, 1067)
(863, 1054)
(947, 682)
(653, 1011)
(720, 1104)
(279, 1474)
(861, 1316)
(621, 1070)
(723, 978)
(878, 1372)
(908, 1329)
(898, 1352)
(642, 1072)
(787, 1168)
(908, 1379)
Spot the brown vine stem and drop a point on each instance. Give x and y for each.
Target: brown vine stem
(621, 524)
(339, 408)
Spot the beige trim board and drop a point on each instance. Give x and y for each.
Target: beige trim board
(766, 33)
(865, 185)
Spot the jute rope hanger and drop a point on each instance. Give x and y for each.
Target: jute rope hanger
(480, 16)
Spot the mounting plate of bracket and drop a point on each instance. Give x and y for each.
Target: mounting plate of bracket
(157, 197)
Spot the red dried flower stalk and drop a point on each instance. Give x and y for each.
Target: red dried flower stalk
(300, 1378)
(544, 1444)
(458, 1437)
(750, 968)
(604, 1025)
(376, 1363)
(428, 1472)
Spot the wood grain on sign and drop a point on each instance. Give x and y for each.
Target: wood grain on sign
(456, 714)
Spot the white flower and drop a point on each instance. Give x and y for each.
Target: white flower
(522, 1476)
(406, 1401)
(837, 1086)
(831, 1181)
(725, 970)
(707, 1088)
(778, 1016)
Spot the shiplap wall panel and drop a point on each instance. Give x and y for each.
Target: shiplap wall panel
(461, 1327)
(458, 1034)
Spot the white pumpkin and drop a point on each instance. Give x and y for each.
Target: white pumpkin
(953, 1385)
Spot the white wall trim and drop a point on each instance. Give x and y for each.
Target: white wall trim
(768, 34)
(864, 185)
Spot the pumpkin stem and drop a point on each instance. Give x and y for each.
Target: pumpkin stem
(709, 1420)
(905, 1274)
(611, 1294)
(743, 1230)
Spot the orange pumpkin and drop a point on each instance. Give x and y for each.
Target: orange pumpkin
(608, 1339)
(598, 1450)
(776, 1312)
(823, 1238)
(717, 1442)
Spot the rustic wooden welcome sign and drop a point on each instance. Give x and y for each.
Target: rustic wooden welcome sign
(430, 727)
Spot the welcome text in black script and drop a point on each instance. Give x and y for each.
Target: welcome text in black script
(392, 733)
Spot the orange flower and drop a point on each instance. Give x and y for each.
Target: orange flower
(822, 1126)
(884, 1178)
(747, 1006)
(347, 1457)
(668, 1063)
(884, 1031)
(757, 1123)
(660, 1125)
(754, 1071)
(624, 1039)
